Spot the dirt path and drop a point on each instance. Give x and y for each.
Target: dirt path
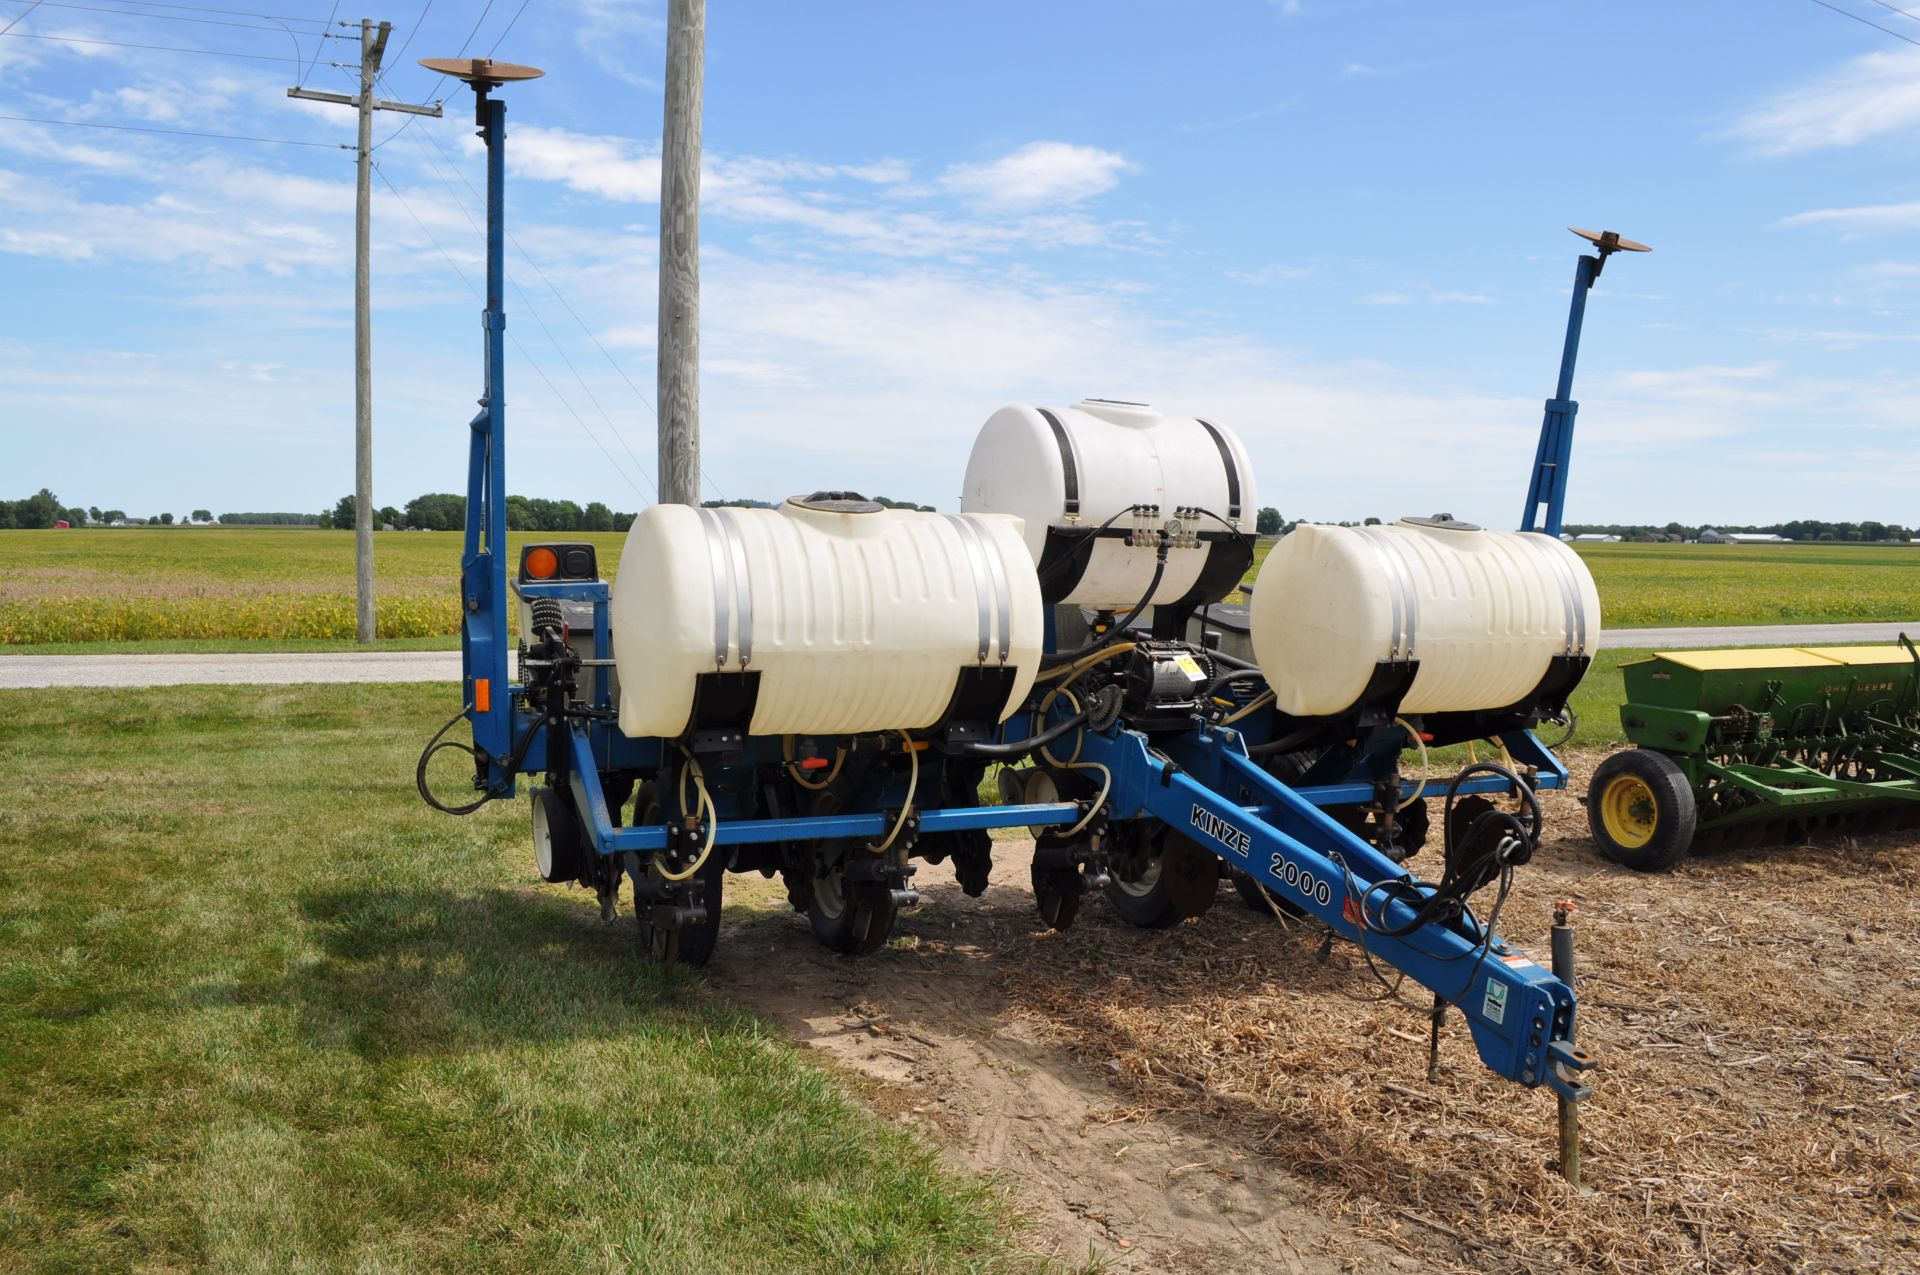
(928, 1031)
(1215, 1096)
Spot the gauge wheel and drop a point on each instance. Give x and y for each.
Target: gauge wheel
(560, 850)
(1178, 879)
(688, 944)
(849, 917)
(1641, 810)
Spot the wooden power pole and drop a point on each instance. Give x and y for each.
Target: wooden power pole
(678, 330)
(373, 45)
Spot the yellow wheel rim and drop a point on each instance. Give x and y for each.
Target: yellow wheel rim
(1627, 811)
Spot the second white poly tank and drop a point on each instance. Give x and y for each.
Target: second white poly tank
(1069, 472)
(1483, 612)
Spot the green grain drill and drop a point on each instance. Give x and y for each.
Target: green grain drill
(1738, 747)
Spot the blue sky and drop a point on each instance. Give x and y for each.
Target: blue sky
(1339, 227)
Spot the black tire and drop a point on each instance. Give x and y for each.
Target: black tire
(1641, 810)
(1179, 879)
(1144, 902)
(560, 847)
(690, 944)
(852, 919)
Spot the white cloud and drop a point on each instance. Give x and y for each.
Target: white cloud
(1039, 174)
(1866, 219)
(1386, 298)
(1459, 298)
(625, 39)
(836, 202)
(1866, 98)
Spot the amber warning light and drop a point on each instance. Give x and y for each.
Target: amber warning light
(558, 562)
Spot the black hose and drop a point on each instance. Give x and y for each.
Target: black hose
(1232, 675)
(1287, 743)
(1118, 633)
(1086, 541)
(1020, 748)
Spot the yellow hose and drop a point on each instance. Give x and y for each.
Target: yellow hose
(1253, 705)
(1422, 785)
(713, 822)
(913, 782)
(1082, 665)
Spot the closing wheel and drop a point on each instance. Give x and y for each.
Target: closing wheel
(849, 917)
(1641, 810)
(1173, 880)
(685, 944)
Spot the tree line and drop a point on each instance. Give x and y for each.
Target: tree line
(1798, 529)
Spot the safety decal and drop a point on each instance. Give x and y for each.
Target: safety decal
(1494, 1010)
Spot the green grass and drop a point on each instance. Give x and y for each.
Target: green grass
(261, 1010)
(230, 646)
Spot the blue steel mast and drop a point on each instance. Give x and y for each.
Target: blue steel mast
(1548, 485)
(483, 555)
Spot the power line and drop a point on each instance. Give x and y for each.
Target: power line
(234, 13)
(541, 372)
(23, 13)
(175, 132)
(528, 302)
(515, 18)
(302, 81)
(1905, 13)
(1869, 21)
(442, 79)
(158, 48)
(414, 31)
(170, 17)
(565, 304)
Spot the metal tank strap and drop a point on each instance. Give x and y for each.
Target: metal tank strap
(722, 570)
(1574, 614)
(976, 559)
(1002, 594)
(1069, 465)
(742, 586)
(1233, 472)
(1406, 605)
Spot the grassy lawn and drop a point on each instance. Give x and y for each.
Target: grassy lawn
(261, 1010)
(231, 587)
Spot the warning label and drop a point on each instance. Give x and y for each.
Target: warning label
(1494, 1010)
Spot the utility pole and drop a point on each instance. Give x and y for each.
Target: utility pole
(373, 44)
(678, 330)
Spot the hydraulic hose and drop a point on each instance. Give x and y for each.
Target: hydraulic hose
(1021, 748)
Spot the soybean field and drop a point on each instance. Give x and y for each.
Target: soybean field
(285, 586)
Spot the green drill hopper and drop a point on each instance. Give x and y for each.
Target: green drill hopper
(1742, 746)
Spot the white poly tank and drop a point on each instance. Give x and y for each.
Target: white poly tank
(1066, 471)
(857, 618)
(1484, 613)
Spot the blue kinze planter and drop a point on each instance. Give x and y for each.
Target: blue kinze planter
(821, 691)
